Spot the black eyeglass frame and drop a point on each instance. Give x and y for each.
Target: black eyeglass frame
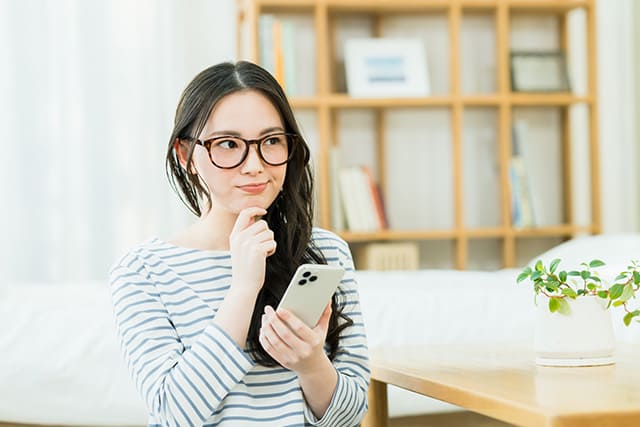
(291, 138)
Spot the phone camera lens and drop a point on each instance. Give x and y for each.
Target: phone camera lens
(313, 278)
(306, 274)
(302, 282)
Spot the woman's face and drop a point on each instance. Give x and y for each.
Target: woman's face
(253, 183)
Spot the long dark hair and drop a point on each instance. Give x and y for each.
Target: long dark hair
(290, 216)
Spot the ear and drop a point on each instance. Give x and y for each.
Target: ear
(181, 147)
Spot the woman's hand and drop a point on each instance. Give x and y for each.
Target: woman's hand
(251, 242)
(291, 342)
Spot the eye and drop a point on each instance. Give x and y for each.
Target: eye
(225, 144)
(274, 140)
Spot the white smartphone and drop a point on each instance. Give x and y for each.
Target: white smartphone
(310, 290)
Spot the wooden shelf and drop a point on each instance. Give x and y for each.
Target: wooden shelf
(390, 235)
(307, 102)
(547, 5)
(548, 99)
(488, 100)
(552, 231)
(345, 101)
(563, 230)
(326, 16)
(417, 5)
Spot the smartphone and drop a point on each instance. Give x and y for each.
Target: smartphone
(310, 290)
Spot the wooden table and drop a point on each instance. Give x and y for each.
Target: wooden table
(504, 383)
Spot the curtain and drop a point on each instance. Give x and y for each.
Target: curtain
(88, 90)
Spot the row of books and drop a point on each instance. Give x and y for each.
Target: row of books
(358, 205)
(356, 198)
(523, 212)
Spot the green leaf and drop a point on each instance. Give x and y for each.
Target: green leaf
(569, 292)
(618, 303)
(591, 286)
(615, 291)
(620, 277)
(554, 265)
(585, 274)
(539, 266)
(636, 277)
(596, 263)
(633, 314)
(627, 293)
(552, 285)
(536, 275)
(564, 307)
(522, 276)
(629, 316)
(581, 292)
(574, 273)
(596, 279)
(554, 305)
(563, 276)
(603, 294)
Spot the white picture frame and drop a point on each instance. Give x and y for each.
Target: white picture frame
(386, 67)
(533, 71)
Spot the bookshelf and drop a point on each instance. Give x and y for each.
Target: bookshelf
(460, 100)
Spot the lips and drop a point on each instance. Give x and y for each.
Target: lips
(255, 188)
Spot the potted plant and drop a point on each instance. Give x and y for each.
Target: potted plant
(573, 326)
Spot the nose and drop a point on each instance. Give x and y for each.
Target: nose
(253, 163)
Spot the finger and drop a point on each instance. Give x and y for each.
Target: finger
(258, 226)
(272, 251)
(277, 346)
(247, 217)
(270, 247)
(288, 337)
(262, 236)
(295, 325)
(323, 323)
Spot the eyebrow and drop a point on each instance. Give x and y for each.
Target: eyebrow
(235, 133)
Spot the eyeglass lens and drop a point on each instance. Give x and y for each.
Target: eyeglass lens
(229, 151)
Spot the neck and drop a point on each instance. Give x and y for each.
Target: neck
(214, 228)
(210, 232)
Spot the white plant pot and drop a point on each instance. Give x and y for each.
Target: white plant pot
(582, 338)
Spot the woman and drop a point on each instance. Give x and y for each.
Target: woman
(195, 314)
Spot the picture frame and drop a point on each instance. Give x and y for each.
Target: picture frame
(539, 71)
(386, 67)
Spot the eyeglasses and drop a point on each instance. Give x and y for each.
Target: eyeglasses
(228, 152)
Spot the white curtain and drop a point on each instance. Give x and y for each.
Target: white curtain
(87, 95)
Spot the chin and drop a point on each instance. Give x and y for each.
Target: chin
(259, 202)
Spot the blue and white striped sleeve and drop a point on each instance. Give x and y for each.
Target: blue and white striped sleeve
(181, 387)
(349, 402)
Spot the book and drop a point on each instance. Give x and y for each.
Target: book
(521, 201)
(351, 207)
(265, 44)
(359, 205)
(375, 194)
(289, 57)
(338, 220)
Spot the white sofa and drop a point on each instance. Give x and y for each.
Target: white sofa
(61, 364)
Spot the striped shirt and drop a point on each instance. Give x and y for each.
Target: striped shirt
(191, 373)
